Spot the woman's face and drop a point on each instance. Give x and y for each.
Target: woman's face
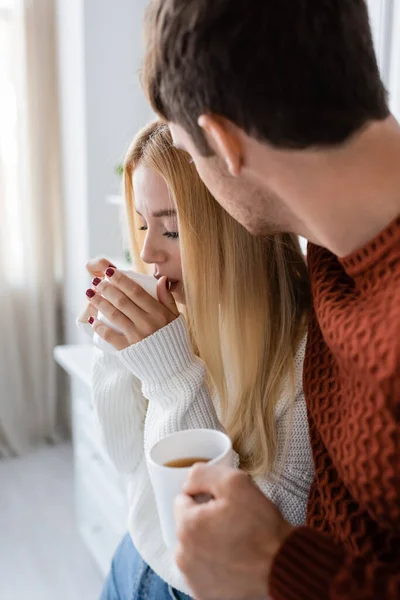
(157, 217)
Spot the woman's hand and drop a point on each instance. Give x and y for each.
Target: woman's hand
(96, 269)
(129, 307)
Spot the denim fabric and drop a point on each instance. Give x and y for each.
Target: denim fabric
(130, 578)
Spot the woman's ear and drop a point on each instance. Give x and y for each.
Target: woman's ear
(224, 140)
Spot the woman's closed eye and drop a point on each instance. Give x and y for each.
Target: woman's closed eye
(174, 235)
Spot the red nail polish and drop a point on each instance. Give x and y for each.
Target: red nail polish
(112, 266)
(90, 293)
(91, 320)
(110, 272)
(96, 281)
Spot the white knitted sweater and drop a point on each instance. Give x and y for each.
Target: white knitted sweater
(157, 387)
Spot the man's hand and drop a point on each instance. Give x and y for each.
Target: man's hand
(227, 545)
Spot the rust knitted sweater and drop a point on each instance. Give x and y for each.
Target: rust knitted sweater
(350, 548)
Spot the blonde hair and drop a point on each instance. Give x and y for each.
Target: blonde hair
(246, 299)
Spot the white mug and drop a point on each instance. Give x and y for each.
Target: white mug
(168, 482)
(148, 283)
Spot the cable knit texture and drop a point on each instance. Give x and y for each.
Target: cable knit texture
(352, 386)
(122, 423)
(173, 381)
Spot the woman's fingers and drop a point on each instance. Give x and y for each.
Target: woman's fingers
(132, 290)
(118, 299)
(113, 314)
(97, 267)
(117, 340)
(129, 307)
(145, 322)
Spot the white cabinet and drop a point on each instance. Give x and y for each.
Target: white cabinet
(100, 491)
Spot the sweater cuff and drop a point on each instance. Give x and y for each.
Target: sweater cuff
(305, 566)
(162, 356)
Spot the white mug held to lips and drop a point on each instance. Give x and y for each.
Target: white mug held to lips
(148, 283)
(168, 482)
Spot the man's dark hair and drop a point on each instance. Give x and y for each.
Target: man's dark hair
(293, 73)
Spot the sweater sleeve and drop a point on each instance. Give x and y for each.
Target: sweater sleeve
(174, 382)
(121, 408)
(311, 566)
(363, 501)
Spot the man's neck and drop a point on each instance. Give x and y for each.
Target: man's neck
(342, 198)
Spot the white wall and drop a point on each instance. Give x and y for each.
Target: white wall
(385, 23)
(394, 68)
(115, 106)
(101, 107)
(73, 154)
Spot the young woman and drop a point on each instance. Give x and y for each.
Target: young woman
(231, 361)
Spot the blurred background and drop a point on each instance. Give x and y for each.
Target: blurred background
(70, 102)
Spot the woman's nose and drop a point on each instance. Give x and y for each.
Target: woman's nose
(150, 252)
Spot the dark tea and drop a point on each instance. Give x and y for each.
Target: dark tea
(184, 463)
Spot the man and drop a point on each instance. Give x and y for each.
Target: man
(281, 107)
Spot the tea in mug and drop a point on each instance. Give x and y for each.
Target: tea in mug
(184, 463)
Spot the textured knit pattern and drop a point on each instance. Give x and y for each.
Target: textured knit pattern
(352, 386)
(173, 381)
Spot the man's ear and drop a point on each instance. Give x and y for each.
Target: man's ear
(224, 140)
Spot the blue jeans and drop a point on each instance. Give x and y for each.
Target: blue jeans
(130, 578)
